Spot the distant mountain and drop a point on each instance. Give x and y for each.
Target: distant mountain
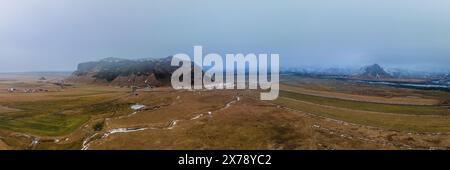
(373, 72)
(442, 80)
(446, 79)
(125, 72)
(336, 71)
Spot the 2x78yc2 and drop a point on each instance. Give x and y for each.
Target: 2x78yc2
(234, 159)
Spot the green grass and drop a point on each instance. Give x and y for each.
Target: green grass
(55, 117)
(45, 124)
(367, 106)
(50, 145)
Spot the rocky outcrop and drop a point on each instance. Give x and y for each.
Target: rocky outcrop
(124, 72)
(373, 72)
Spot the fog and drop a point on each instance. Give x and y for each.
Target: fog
(55, 35)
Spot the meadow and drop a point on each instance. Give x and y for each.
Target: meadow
(310, 113)
(366, 108)
(56, 113)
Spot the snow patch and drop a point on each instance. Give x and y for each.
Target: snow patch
(198, 116)
(122, 130)
(172, 124)
(137, 106)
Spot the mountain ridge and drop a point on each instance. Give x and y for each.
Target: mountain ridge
(373, 72)
(125, 72)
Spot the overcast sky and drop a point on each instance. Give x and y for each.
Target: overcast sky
(50, 35)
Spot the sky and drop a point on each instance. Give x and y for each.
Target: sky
(56, 35)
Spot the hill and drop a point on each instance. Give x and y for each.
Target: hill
(373, 72)
(125, 72)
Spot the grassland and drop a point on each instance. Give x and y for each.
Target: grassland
(321, 97)
(309, 114)
(400, 122)
(56, 113)
(368, 106)
(411, 99)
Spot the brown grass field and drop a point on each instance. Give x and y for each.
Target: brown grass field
(309, 114)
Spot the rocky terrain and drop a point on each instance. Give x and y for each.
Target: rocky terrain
(373, 72)
(125, 72)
